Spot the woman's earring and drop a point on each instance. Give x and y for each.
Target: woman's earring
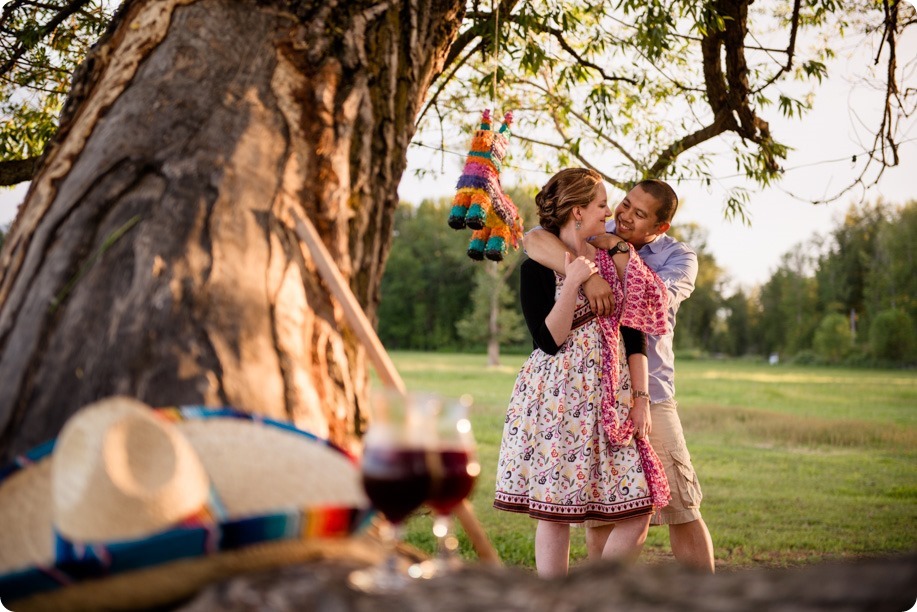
(579, 224)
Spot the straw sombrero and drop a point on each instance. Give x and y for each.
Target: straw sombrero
(132, 506)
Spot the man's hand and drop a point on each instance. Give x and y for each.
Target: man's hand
(599, 294)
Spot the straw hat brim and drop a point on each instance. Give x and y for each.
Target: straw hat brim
(25, 516)
(164, 585)
(285, 492)
(287, 473)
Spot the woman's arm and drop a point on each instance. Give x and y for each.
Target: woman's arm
(548, 320)
(536, 294)
(560, 319)
(635, 348)
(640, 404)
(547, 249)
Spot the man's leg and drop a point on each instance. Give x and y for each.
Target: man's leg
(627, 539)
(552, 549)
(688, 534)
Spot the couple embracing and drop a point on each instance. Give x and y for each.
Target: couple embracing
(592, 434)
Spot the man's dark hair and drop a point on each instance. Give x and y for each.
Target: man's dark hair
(664, 194)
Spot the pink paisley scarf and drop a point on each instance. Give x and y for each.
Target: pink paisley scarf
(641, 302)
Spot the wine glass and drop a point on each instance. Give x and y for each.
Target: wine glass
(453, 470)
(396, 477)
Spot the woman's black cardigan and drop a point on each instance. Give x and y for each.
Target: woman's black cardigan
(537, 287)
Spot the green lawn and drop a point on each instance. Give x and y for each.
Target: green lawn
(798, 464)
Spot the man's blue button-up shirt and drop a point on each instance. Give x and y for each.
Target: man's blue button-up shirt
(676, 264)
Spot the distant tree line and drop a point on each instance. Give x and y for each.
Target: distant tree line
(846, 297)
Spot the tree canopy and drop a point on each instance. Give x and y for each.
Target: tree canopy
(632, 89)
(41, 47)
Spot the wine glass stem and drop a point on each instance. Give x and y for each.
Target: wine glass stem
(445, 541)
(392, 535)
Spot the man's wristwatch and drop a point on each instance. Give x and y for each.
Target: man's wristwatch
(621, 247)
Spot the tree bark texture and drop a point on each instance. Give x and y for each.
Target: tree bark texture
(879, 584)
(154, 255)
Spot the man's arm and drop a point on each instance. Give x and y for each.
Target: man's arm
(679, 272)
(547, 249)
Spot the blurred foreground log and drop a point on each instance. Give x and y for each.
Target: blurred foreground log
(868, 584)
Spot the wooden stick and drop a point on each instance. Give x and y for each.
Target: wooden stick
(389, 376)
(354, 314)
(476, 534)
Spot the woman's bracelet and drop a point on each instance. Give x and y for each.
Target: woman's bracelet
(635, 394)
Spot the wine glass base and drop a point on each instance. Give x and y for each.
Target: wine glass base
(378, 580)
(431, 568)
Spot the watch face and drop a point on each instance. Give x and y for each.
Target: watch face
(620, 247)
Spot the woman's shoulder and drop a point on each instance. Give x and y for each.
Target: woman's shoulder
(534, 270)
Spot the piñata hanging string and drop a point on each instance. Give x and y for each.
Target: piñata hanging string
(495, 59)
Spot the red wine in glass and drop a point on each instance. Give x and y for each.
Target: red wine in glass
(397, 480)
(396, 476)
(455, 481)
(453, 468)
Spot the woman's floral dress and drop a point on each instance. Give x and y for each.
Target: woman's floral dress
(557, 462)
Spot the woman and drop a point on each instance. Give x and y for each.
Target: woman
(569, 451)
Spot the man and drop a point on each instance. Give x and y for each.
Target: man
(642, 218)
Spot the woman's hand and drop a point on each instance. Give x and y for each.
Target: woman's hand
(577, 270)
(640, 415)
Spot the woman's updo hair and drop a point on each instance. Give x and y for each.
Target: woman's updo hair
(565, 190)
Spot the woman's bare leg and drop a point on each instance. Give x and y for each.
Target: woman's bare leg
(552, 549)
(596, 537)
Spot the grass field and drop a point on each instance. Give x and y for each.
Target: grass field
(797, 464)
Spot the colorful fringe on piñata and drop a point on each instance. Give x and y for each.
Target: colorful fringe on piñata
(480, 203)
(644, 307)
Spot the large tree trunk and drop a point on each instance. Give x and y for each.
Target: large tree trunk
(154, 254)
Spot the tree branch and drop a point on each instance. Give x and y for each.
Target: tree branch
(885, 136)
(736, 14)
(790, 49)
(558, 35)
(585, 121)
(15, 171)
(714, 80)
(728, 95)
(444, 81)
(482, 28)
(616, 182)
(723, 122)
